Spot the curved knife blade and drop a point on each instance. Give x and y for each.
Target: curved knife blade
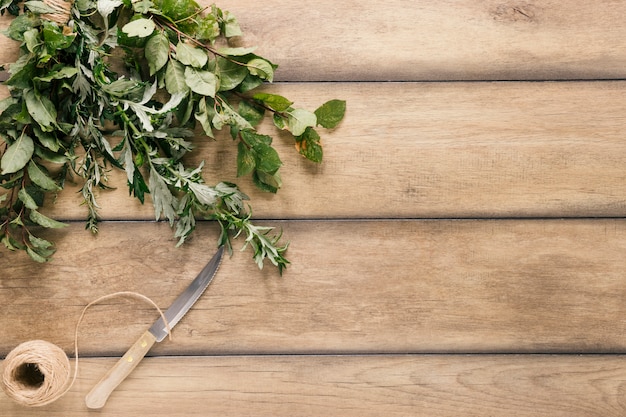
(183, 303)
(98, 396)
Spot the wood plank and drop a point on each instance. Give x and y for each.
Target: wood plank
(399, 40)
(430, 150)
(354, 287)
(433, 385)
(444, 40)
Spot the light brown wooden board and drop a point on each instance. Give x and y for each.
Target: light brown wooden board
(433, 150)
(359, 386)
(354, 287)
(444, 40)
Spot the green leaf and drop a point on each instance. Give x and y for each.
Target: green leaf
(45, 221)
(157, 52)
(231, 26)
(267, 182)
(201, 82)
(41, 109)
(299, 119)
(191, 56)
(246, 162)
(239, 51)
(17, 155)
(175, 78)
(308, 145)
(267, 159)
(231, 74)
(178, 10)
(40, 177)
(29, 202)
(65, 72)
(35, 256)
(253, 113)
(55, 38)
(273, 101)
(204, 118)
(331, 113)
(140, 28)
(261, 68)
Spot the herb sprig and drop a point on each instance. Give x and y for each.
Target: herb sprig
(71, 114)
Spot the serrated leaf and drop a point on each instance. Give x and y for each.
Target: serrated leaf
(261, 68)
(330, 113)
(17, 155)
(157, 52)
(41, 178)
(201, 82)
(299, 119)
(41, 109)
(139, 28)
(267, 182)
(162, 198)
(45, 221)
(273, 101)
(190, 55)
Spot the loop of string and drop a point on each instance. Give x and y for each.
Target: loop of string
(36, 372)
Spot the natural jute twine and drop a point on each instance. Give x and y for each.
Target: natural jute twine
(62, 11)
(37, 372)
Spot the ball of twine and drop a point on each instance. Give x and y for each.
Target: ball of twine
(62, 11)
(35, 373)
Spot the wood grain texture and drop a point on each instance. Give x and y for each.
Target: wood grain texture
(360, 386)
(485, 286)
(444, 40)
(401, 40)
(414, 150)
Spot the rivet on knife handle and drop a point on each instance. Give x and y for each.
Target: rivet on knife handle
(98, 396)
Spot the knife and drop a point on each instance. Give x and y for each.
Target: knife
(98, 396)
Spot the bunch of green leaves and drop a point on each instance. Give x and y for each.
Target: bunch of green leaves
(71, 115)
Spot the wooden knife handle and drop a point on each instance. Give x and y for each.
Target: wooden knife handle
(98, 396)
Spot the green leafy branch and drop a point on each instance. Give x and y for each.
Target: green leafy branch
(71, 115)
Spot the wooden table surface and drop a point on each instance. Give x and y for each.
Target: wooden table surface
(460, 251)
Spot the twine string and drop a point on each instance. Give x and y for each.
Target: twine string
(37, 372)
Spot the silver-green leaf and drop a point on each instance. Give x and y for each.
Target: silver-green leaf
(17, 155)
(192, 56)
(157, 52)
(41, 178)
(298, 120)
(45, 221)
(201, 82)
(140, 28)
(175, 78)
(41, 109)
